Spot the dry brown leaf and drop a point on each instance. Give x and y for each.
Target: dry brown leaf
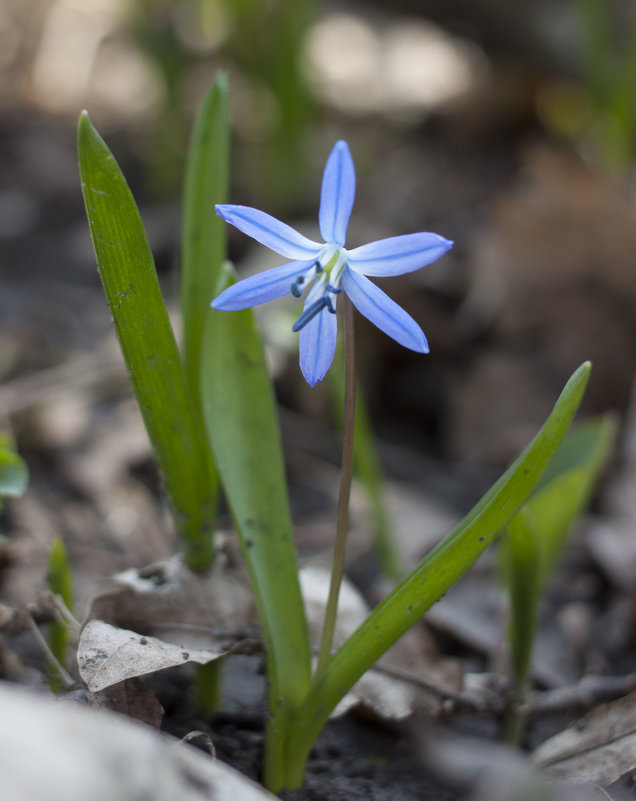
(167, 594)
(387, 697)
(153, 616)
(490, 771)
(131, 698)
(597, 749)
(107, 655)
(56, 751)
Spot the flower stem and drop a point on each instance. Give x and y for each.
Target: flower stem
(337, 568)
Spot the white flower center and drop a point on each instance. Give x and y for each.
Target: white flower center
(328, 268)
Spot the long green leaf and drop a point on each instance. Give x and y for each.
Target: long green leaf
(204, 241)
(240, 415)
(536, 537)
(434, 575)
(537, 534)
(130, 282)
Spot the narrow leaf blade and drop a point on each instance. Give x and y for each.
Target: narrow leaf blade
(418, 591)
(240, 415)
(130, 282)
(204, 240)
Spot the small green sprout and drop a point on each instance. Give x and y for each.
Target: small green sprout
(536, 537)
(60, 581)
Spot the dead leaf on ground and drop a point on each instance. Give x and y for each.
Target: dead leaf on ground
(167, 594)
(131, 698)
(490, 771)
(58, 750)
(597, 749)
(164, 615)
(107, 655)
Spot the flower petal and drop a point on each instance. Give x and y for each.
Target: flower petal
(378, 307)
(337, 194)
(398, 254)
(260, 288)
(269, 231)
(317, 345)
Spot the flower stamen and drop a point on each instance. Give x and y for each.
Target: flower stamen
(324, 302)
(311, 311)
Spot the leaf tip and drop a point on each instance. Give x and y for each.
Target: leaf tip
(83, 120)
(223, 81)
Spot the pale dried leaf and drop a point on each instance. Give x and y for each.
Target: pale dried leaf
(387, 697)
(613, 545)
(490, 771)
(598, 749)
(612, 540)
(166, 594)
(418, 522)
(56, 751)
(107, 655)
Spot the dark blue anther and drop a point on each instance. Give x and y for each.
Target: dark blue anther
(333, 291)
(295, 287)
(311, 311)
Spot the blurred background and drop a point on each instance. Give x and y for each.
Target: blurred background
(509, 128)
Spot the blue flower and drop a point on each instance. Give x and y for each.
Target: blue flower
(331, 268)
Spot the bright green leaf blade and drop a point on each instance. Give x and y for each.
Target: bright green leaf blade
(204, 242)
(240, 415)
(435, 574)
(130, 281)
(14, 474)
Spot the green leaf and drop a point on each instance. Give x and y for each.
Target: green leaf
(130, 282)
(536, 537)
(14, 474)
(240, 415)
(522, 562)
(204, 240)
(60, 581)
(418, 591)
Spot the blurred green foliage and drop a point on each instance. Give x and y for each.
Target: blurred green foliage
(14, 474)
(60, 581)
(609, 53)
(260, 43)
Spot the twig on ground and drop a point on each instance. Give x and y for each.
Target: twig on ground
(65, 676)
(590, 691)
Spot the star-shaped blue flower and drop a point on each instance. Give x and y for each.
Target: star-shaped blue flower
(331, 268)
